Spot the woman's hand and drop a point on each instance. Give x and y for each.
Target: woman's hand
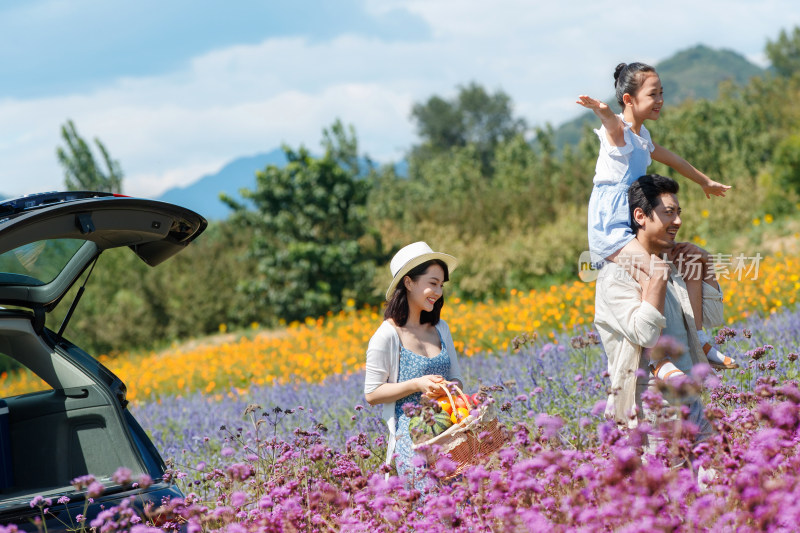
(429, 385)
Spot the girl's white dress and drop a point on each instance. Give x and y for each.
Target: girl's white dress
(616, 170)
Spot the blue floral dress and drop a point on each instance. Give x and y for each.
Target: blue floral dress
(412, 366)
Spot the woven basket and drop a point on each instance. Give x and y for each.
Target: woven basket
(468, 441)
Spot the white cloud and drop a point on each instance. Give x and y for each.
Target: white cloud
(169, 130)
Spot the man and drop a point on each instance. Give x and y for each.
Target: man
(631, 318)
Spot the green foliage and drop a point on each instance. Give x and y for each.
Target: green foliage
(787, 161)
(783, 185)
(81, 172)
(521, 223)
(519, 257)
(128, 304)
(474, 117)
(513, 210)
(784, 52)
(311, 240)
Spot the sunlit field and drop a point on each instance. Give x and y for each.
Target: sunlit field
(270, 432)
(319, 348)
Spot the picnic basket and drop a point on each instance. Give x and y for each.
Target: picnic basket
(467, 442)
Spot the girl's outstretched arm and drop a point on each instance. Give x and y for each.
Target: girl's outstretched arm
(615, 130)
(683, 167)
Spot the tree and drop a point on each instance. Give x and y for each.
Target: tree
(311, 241)
(81, 172)
(474, 117)
(787, 162)
(784, 53)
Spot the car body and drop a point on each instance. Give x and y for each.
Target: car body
(78, 425)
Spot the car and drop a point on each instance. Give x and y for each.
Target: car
(79, 425)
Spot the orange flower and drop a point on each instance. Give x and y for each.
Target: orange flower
(315, 349)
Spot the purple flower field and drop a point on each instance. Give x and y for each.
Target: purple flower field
(309, 458)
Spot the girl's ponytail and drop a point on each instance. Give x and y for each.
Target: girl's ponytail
(617, 72)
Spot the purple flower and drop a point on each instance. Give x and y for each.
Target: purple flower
(599, 408)
(724, 334)
(667, 346)
(122, 475)
(95, 489)
(238, 499)
(701, 371)
(145, 481)
(550, 424)
(82, 482)
(759, 352)
(445, 466)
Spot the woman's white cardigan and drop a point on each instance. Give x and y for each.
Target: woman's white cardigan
(383, 366)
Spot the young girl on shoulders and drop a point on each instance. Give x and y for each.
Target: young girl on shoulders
(626, 150)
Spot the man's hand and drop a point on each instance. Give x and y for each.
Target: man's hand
(655, 290)
(688, 252)
(693, 262)
(659, 268)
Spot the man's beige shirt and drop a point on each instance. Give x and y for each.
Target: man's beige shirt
(627, 325)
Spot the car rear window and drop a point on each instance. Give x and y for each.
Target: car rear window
(37, 263)
(16, 380)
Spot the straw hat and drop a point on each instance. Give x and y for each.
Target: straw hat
(411, 256)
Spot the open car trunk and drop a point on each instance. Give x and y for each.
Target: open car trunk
(51, 437)
(77, 423)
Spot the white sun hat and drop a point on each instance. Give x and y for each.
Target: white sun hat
(412, 256)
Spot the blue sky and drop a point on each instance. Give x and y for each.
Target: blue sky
(177, 89)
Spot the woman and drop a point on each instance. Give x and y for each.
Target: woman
(412, 352)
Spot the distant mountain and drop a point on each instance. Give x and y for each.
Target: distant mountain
(202, 196)
(694, 74)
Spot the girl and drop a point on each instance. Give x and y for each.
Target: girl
(625, 152)
(412, 351)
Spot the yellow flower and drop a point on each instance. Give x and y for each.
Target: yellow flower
(704, 213)
(768, 218)
(315, 349)
(756, 221)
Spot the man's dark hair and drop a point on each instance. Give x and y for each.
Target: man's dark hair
(645, 193)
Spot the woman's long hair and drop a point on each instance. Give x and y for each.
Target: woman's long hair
(397, 306)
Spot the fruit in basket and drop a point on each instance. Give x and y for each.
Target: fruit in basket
(461, 402)
(459, 414)
(444, 403)
(418, 427)
(441, 423)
